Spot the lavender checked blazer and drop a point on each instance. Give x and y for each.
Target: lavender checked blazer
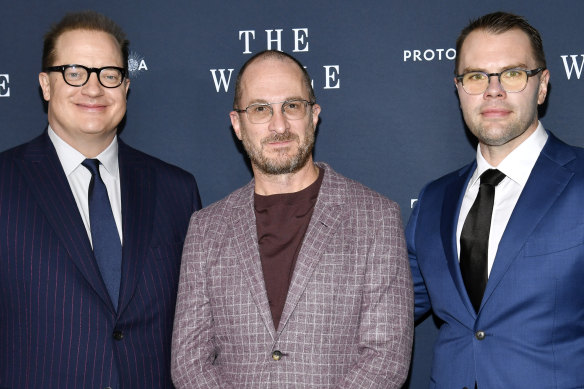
(348, 317)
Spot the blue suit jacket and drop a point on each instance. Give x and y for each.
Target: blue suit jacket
(58, 327)
(532, 313)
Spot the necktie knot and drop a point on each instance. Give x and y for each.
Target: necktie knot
(92, 165)
(492, 177)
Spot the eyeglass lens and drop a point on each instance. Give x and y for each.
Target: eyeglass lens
(262, 113)
(512, 80)
(108, 77)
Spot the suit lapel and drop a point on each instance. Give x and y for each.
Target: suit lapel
(547, 181)
(138, 191)
(42, 169)
(247, 250)
(323, 224)
(450, 211)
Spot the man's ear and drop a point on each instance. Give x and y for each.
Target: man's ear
(45, 84)
(543, 86)
(234, 116)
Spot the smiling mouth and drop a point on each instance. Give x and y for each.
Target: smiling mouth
(91, 107)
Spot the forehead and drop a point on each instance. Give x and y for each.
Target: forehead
(272, 80)
(485, 50)
(97, 48)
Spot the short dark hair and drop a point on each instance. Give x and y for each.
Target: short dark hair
(272, 54)
(84, 20)
(498, 23)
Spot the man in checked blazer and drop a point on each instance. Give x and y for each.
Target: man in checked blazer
(300, 278)
(61, 326)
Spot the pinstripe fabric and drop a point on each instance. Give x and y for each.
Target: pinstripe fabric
(56, 322)
(347, 321)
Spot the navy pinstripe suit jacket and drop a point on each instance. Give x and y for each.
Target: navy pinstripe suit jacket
(58, 328)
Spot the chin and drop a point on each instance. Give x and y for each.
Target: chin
(96, 131)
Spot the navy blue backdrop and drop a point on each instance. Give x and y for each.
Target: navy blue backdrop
(382, 72)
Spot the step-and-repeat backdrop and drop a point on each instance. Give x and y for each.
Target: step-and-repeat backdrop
(382, 72)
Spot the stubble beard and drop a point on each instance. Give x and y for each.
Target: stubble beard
(494, 134)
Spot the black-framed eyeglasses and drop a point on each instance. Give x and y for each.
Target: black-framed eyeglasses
(511, 80)
(78, 75)
(259, 113)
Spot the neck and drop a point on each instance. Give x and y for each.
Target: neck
(90, 146)
(270, 184)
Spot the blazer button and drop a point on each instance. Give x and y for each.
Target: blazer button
(480, 335)
(277, 355)
(118, 335)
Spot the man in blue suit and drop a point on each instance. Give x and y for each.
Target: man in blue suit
(70, 315)
(506, 285)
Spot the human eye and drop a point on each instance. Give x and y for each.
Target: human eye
(475, 77)
(258, 109)
(513, 74)
(110, 75)
(74, 73)
(294, 105)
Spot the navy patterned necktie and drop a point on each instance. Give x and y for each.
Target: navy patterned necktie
(474, 238)
(107, 247)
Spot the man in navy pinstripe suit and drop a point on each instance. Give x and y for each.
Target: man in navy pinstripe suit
(60, 326)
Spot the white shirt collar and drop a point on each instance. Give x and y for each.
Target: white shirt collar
(518, 164)
(71, 158)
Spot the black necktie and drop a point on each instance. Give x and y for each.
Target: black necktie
(474, 238)
(107, 247)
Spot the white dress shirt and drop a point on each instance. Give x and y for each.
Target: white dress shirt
(79, 177)
(517, 167)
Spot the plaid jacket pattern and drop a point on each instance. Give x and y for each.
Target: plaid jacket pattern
(348, 317)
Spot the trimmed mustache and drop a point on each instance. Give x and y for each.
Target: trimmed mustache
(286, 136)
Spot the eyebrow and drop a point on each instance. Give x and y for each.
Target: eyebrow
(502, 69)
(263, 101)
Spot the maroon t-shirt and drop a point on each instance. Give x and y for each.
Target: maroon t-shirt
(282, 220)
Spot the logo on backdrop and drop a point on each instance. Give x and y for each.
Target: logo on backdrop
(295, 40)
(4, 85)
(429, 55)
(573, 65)
(136, 64)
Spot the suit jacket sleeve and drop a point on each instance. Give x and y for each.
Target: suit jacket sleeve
(193, 351)
(422, 299)
(386, 329)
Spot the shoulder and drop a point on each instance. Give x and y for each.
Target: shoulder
(36, 145)
(455, 177)
(337, 188)
(132, 157)
(563, 153)
(34, 150)
(10, 155)
(222, 210)
(214, 223)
